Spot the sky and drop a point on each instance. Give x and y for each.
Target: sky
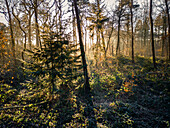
(2, 19)
(109, 3)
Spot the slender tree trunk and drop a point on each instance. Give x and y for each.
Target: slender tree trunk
(127, 37)
(108, 42)
(85, 41)
(112, 50)
(132, 38)
(38, 43)
(11, 33)
(164, 36)
(144, 36)
(167, 12)
(60, 16)
(92, 120)
(74, 26)
(25, 34)
(97, 48)
(56, 12)
(103, 42)
(118, 38)
(141, 33)
(87, 85)
(29, 30)
(152, 36)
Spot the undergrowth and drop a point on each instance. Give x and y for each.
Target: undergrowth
(124, 96)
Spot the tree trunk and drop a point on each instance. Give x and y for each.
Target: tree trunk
(163, 36)
(74, 26)
(118, 38)
(108, 42)
(103, 42)
(60, 16)
(38, 43)
(11, 33)
(152, 36)
(112, 50)
(87, 85)
(56, 12)
(127, 37)
(25, 34)
(29, 30)
(132, 31)
(91, 115)
(167, 12)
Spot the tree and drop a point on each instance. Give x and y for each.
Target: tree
(35, 7)
(11, 32)
(3, 40)
(138, 31)
(167, 13)
(109, 32)
(98, 20)
(92, 121)
(30, 12)
(22, 29)
(159, 25)
(164, 35)
(132, 38)
(120, 12)
(152, 36)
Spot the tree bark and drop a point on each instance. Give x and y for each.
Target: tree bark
(29, 30)
(103, 42)
(30, 13)
(108, 42)
(74, 26)
(11, 33)
(60, 16)
(91, 115)
(87, 85)
(25, 35)
(164, 37)
(118, 37)
(152, 36)
(167, 12)
(38, 43)
(132, 38)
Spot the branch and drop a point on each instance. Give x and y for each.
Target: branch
(3, 12)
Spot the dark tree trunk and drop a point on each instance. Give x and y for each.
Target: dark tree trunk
(74, 26)
(87, 85)
(11, 33)
(91, 115)
(103, 42)
(112, 50)
(38, 43)
(108, 42)
(167, 12)
(127, 37)
(164, 36)
(56, 11)
(152, 36)
(29, 30)
(118, 38)
(60, 16)
(132, 38)
(25, 34)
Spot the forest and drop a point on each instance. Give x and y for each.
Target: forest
(84, 64)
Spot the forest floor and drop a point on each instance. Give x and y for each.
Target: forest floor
(124, 95)
(129, 95)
